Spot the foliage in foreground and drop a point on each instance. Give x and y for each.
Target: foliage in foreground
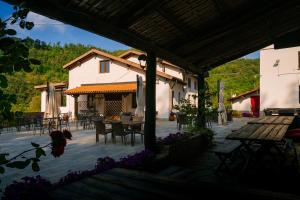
(36, 188)
(57, 145)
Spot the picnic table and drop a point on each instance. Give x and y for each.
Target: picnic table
(268, 128)
(268, 132)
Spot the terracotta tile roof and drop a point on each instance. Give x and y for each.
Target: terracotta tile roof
(56, 85)
(253, 91)
(103, 88)
(118, 59)
(134, 52)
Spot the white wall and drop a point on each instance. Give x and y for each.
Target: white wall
(168, 69)
(279, 86)
(88, 73)
(162, 98)
(134, 58)
(242, 104)
(43, 100)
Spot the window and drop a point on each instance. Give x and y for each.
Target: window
(90, 100)
(189, 82)
(172, 98)
(179, 97)
(163, 69)
(299, 60)
(104, 66)
(133, 100)
(63, 99)
(195, 85)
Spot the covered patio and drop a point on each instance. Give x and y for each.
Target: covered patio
(108, 100)
(195, 35)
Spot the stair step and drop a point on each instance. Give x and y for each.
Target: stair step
(169, 171)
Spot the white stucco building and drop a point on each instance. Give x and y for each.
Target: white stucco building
(247, 102)
(279, 78)
(107, 84)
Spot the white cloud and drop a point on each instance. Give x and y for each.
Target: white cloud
(42, 22)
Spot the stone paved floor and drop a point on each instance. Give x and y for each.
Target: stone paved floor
(82, 152)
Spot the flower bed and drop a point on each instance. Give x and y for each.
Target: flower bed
(35, 188)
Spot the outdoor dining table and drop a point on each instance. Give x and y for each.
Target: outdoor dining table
(268, 132)
(129, 124)
(53, 122)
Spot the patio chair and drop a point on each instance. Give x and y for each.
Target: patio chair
(64, 121)
(38, 125)
(137, 129)
(181, 119)
(101, 130)
(126, 118)
(118, 130)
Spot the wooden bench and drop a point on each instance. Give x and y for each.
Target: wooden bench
(225, 153)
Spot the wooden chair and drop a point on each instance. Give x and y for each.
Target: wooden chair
(181, 119)
(118, 130)
(101, 130)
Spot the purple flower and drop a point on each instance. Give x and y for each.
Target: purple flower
(172, 138)
(30, 188)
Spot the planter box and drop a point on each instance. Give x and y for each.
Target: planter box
(182, 151)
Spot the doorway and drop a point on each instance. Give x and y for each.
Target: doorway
(255, 105)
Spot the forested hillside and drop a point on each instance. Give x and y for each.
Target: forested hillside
(239, 75)
(52, 57)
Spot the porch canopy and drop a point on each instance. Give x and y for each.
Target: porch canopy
(103, 88)
(196, 34)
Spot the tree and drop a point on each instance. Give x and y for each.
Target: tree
(13, 56)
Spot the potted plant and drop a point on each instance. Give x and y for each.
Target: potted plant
(172, 116)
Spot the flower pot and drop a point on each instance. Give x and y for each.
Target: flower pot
(171, 117)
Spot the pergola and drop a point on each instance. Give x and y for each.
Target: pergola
(196, 35)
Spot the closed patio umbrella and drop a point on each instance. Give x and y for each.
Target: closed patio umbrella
(222, 116)
(140, 101)
(52, 109)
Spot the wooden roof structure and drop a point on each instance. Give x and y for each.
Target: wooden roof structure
(194, 34)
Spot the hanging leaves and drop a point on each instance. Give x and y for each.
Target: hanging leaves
(19, 164)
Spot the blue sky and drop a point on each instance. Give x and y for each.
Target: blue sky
(52, 31)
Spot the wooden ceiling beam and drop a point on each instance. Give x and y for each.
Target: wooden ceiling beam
(219, 28)
(140, 9)
(220, 6)
(171, 19)
(99, 26)
(282, 22)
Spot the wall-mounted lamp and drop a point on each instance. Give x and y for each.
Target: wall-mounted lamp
(276, 63)
(141, 58)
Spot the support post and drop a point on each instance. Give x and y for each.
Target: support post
(201, 101)
(75, 96)
(150, 115)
